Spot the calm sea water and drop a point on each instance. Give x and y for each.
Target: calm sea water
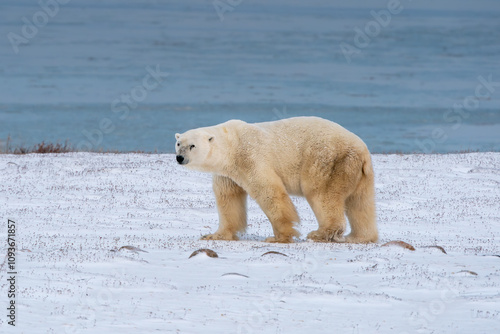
(95, 72)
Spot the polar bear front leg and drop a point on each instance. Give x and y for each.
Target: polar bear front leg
(278, 207)
(231, 202)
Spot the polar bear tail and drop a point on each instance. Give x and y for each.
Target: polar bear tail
(360, 207)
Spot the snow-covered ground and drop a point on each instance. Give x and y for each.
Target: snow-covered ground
(73, 213)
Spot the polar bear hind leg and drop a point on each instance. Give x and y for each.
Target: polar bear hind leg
(347, 190)
(360, 209)
(328, 207)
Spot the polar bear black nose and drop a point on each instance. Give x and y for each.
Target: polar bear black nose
(179, 158)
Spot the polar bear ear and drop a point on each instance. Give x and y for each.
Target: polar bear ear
(177, 135)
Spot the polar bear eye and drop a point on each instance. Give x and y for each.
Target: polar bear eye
(191, 147)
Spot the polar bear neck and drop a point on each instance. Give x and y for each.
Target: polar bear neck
(220, 159)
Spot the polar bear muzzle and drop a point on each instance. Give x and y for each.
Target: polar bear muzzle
(180, 159)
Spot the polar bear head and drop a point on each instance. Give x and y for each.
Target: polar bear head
(194, 148)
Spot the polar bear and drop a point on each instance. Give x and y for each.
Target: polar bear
(302, 156)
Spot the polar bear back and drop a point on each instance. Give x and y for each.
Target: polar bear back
(295, 149)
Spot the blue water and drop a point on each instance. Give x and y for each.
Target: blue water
(264, 61)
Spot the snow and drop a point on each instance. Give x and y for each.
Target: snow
(75, 211)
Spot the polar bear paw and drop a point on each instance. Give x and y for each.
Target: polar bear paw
(219, 236)
(279, 240)
(327, 236)
(363, 239)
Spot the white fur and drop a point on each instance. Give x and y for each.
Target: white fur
(304, 156)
